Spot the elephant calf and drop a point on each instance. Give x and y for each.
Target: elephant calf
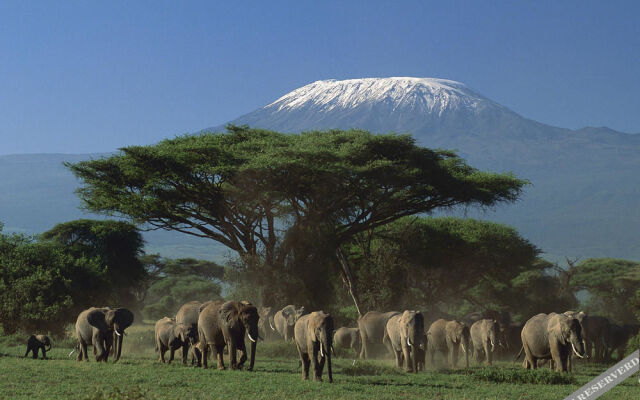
(37, 343)
(347, 338)
(171, 336)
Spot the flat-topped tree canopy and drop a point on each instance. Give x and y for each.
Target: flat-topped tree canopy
(232, 187)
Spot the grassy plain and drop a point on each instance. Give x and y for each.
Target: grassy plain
(138, 375)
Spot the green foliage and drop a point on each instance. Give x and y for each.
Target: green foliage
(284, 203)
(165, 296)
(421, 262)
(42, 285)
(540, 376)
(613, 286)
(115, 246)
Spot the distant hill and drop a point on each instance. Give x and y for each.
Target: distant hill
(583, 200)
(37, 192)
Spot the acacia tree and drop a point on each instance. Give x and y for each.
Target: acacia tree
(281, 201)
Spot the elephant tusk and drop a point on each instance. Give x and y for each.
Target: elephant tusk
(272, 328)
(321, 353)
(463, 349)
(117, 333)
(72, 351)
(251, 338)
(575, 351)
(493, 346)
(408, 342)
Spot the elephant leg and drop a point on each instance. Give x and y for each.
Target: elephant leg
(28, 350)
(85, 354)
(556, 356)
(454, 356)
(82, 351)
(398, 357)
(243, 357)
(35, 352)
(171, 354)
(321, 366)
(220, 355)
(487, 352)
(185, 352)
(406, 355)
(44, 353)
(314, 363)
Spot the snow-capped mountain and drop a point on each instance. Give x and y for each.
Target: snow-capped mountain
(379, 104)
(584, 183)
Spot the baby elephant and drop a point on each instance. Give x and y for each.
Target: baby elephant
(170, 336)
(38, 342)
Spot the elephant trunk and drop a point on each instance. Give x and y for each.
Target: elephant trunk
(118, 349)
(326, 343)
(253, 355)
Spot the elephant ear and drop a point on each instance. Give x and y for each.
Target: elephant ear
(121, 316)
(228, 312)
(96, 318)
(557, 331)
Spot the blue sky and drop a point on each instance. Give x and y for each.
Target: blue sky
(88, 76)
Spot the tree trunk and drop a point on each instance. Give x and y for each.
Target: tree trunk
(347, 278)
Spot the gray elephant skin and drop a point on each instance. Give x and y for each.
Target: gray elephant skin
(285, 320)
(37, 343)
(448, 338)
(485, 337)
(171, 336)
(102, 328)
(313, 335)
(188, 316)
(221, 324)
(552, 336)
(372, 326)
(405, 333)
(266, 325)
(347, 338)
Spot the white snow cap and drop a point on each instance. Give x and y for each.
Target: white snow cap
(429, 94)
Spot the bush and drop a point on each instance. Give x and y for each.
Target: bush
(519, 376)
(633, 345)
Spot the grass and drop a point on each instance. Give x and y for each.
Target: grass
(138, 375)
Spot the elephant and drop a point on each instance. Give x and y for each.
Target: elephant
(37, 343)
(596, 331)
(221, 324)
(188, 316)
(446, 337)
(285, 320)
(421, 353)
(510, 338)
(405, 332)
(102, 327)
(372, 326)
(485, 334)
(348, 338)
(617, 339)
(552, 336)
(171, 336)
(313, 333)
(266, 325)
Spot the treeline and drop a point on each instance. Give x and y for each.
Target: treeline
(335, 220)
(46, 280)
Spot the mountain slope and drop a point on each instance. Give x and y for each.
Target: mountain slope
(582, 201)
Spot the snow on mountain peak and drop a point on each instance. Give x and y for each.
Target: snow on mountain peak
(419, 94)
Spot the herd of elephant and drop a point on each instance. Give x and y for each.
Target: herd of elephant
(204, 328)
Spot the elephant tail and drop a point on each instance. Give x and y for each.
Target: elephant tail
(519, 354)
